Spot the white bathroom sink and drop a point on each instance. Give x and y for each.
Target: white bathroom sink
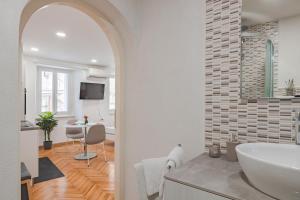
(272, 168)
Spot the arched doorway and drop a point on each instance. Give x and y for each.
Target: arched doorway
(118, 33)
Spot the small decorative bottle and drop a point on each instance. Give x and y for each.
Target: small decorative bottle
(86, 119)
(215, 151)
(231, 153)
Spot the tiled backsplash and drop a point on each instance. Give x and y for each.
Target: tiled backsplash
(267, 120)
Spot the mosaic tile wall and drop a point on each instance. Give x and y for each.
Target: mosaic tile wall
(265, 120)
(282, 91)
(254, 56)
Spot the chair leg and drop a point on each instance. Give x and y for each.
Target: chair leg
(96, 145)
(79, 149)
(29, 188)
(104, 153)
(88, 160)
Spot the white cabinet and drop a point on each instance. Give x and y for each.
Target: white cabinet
(177, 191)
(110, 133)
(29, 148)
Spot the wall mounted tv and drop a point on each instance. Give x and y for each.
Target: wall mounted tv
(91, 91)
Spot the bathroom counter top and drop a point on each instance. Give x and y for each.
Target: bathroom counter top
(217, 176)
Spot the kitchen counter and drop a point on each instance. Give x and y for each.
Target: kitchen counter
(29, 147)
(217, 176)
(28, 126)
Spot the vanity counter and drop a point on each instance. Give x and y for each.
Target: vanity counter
(217, 176)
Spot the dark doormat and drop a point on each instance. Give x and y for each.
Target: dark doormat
(47, 171)
(24, 192)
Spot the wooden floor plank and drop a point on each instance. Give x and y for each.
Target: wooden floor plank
(80, 182)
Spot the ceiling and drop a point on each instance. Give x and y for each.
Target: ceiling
(261, 11)
(84, 40)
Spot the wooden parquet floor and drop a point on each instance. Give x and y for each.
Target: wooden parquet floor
(80, 182)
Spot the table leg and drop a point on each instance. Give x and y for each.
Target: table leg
(85, 145)
(85, 155)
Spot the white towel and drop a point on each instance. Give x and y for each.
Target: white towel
(174, 160)
(153, 170)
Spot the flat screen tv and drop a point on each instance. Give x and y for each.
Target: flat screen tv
(91, 90)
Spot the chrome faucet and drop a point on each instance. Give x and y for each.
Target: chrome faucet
(297, 125)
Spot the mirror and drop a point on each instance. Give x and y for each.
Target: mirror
(270, 49)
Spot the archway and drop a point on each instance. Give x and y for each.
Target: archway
(117, 31)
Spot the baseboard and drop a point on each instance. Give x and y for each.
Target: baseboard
(66, 143)
(59, 144)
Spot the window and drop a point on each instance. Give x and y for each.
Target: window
(62, 90)
(112, 93)
(47, 91)
(53, 87)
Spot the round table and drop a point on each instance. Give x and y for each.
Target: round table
(85, 155)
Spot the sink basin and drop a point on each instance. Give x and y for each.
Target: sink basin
(272, 168)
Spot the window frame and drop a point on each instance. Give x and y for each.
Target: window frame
(55, 71)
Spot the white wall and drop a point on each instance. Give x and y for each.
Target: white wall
(10, 90)
(79, 107)
(94, 109)
(129, 8)
(165, 90)
(289, 59)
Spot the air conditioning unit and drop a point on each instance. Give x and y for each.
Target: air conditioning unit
(97, 73)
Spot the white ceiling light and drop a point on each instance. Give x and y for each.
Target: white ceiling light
(61, 34)
(93, 60)
(34, 49)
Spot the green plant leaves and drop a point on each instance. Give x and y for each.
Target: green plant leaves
(46, 122)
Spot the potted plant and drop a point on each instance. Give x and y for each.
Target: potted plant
(46, 122)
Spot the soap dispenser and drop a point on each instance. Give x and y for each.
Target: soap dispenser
(231, 153)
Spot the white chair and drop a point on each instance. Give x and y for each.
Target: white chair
(74, 133)
(96, 135)
(26, 179)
